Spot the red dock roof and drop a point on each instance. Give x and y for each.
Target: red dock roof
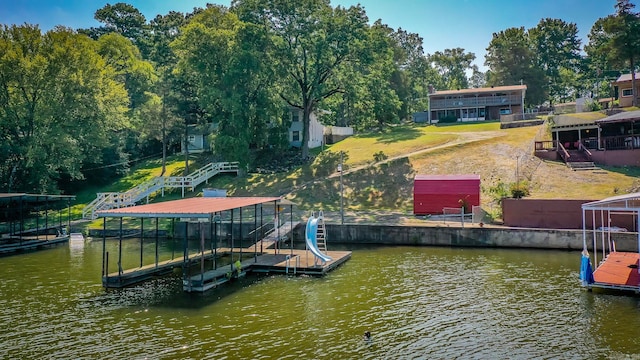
(199, 207)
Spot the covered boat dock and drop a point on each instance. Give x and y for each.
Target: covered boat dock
(614, 238)
(33, 221)
(233, 236)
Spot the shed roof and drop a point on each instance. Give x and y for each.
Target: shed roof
(448, 177)
(198, 207)
(629, 202)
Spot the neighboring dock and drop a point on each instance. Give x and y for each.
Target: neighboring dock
(33, 221)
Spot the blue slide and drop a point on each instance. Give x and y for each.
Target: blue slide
(311, 234)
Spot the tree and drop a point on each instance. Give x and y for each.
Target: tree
(312, 42)
(163, 30)
(59, 103)
(235, 79)
(557, 50)
(123, 19)
(616, 38)
(511, 60)
(452, 65)
(124, 57)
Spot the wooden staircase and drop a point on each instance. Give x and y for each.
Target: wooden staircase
(580, 160)
(112, 200)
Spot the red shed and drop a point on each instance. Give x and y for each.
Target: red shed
(432, 193)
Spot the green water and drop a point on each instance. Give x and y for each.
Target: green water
(418, 303)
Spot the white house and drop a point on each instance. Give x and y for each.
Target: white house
(316, 129)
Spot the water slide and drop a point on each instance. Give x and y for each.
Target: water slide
(311, 234)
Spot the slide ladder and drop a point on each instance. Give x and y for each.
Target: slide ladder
(311, 237)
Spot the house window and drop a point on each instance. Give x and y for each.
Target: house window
(627, 92)
(296, 136)
(295, 116)
(191, 139)
(505, 111)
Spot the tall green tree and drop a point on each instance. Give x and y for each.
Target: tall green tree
(59, 104)
(452, 65)
(616, 39)
(312, 42)
(163, 30)
(235, 79)
(511, 60)
(124, 19)
(557, 50)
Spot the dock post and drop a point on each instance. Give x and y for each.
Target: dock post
(156, 242)
(104, 245)
(120, 250)
(255, 233)
(141, 239)
(231, 262)
(215, 246)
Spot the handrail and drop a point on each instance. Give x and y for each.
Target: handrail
(110, 200)
(563, 152)
(583, 148)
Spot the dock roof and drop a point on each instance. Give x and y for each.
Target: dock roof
(629, 202)
(198, 207)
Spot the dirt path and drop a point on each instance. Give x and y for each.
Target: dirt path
(463, 138)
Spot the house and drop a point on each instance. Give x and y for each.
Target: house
(316, 129)
(623, 84)
(476, 104)
(196, 139)
(612, 140)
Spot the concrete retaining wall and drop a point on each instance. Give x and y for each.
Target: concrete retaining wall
(468, 236)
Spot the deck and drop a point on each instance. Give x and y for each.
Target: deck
(294, 262)
(619, 271)
(135, 275)
(13, 245)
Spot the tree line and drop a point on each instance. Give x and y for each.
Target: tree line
(77, 106)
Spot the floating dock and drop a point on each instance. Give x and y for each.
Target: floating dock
(293, 262)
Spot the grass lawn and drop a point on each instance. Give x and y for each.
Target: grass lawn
(470, 148)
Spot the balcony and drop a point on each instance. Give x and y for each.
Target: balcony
(437, 104)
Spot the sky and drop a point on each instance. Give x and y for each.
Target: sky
(443, 24)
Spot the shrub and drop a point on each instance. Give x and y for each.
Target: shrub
(519, 190)
(448, 119)
(379, 156)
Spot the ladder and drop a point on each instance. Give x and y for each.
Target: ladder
(321, 237)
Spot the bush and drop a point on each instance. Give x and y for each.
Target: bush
(519, 190)
(379, 156)
(448, 119)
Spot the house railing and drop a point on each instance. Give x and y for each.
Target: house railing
(564, 154)
(475, 102)
(623, 142)
(545, 145)
(113, 200)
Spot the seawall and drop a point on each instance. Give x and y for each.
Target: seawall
(471, 236)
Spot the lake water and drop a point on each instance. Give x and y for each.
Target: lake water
(418, 303)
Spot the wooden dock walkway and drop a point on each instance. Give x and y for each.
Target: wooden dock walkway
(13, 245)
(277, 234)
(293, 262)
(131, 276)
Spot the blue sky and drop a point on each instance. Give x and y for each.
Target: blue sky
(443, 24)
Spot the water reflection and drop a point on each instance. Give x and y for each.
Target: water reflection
(427, 302)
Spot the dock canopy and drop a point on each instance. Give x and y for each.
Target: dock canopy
(627, 202)
(199, 207)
